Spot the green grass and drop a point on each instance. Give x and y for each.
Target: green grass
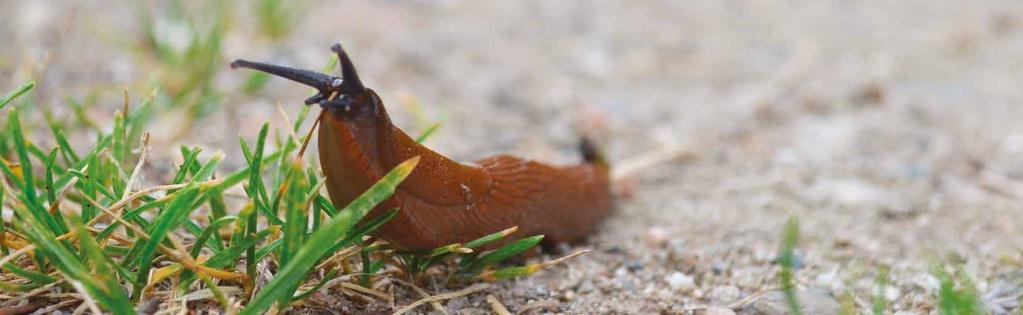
(957, 295)
(16, 93)
(78, 224)
(880, 303)
(276, 19)
(787, 260)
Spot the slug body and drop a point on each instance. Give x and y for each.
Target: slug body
(442, 201)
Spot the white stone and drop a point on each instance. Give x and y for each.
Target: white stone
(678, 281)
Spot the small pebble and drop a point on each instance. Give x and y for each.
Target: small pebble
(656, 237)
(569, 295)
(542, 290)
(634, 266)
(718, 268)
(586, 286)
(678, 281)
(892, 293)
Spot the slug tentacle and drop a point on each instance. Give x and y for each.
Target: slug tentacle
(351, 84)
(321, 82)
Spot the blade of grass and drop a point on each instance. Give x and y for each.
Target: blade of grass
(880, 303)
(426, 133)
(295, 210)
(214, 227)
(491, 238)
(787, 260)
(255, 191)
(3, 227)
(33, 276)
(51, 195)
(28, 190)
(333, 273)
(511, 272)
(164, 222)
(103, 274)
(474, 266)
(364, 229)
(16, 93)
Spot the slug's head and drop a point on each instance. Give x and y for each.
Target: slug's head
(334, 93)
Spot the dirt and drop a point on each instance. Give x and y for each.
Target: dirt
(890, 129)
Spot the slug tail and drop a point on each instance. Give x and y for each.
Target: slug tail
(590, 152)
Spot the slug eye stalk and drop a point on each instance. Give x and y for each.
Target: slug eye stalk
(326, 85)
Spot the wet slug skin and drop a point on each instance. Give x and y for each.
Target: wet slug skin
(443, 202)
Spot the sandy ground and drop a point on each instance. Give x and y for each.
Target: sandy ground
(892, 129)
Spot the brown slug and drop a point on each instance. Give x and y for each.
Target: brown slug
(443, 202)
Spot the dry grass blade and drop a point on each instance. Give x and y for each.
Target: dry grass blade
(496, 305)
(38, 291)
(86, 298)
(52, 308)
(22, 309)
(206, 293)
(443, 296)
(138, 166)
(359, 288)
(138, 194)
(632, 165)
(436, 305)
(17, 253)
(542, 304)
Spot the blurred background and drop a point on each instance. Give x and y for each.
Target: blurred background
(892, 129)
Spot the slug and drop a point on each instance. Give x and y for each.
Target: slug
(443, 202)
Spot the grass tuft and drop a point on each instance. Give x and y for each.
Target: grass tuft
(957, 294)
(282, 288)
(83, 223)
